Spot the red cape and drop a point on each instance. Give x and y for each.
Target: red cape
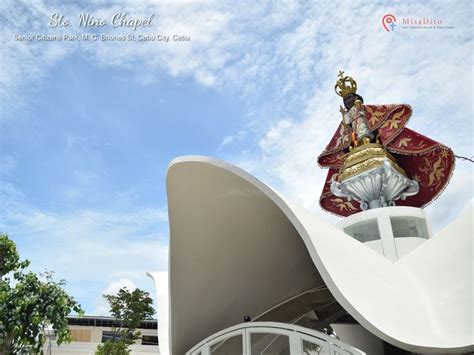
(423, 159)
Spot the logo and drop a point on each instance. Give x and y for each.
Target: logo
(388, 22)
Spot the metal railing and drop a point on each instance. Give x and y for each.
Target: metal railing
(265, 338)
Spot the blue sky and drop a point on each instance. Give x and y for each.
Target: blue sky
(88, 128)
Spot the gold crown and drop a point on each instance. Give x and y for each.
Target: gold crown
(341, 88)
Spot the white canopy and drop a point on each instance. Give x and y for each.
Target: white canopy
(237, 248)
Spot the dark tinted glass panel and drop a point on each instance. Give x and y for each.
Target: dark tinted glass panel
(269, 344)
(109, 336)
(149, 340)
(365, 231)
(229, 346)
(405, 227)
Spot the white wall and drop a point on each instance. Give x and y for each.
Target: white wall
(76, 348)
(359, 337)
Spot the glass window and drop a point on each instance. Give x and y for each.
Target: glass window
(109, 336)
(228, 346)
(404, 227)
(365, 231)
(310, 348)
(149, 340)
(269, 344)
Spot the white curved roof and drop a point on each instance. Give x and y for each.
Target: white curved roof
(238, 248)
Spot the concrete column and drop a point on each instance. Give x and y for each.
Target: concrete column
(386, 236)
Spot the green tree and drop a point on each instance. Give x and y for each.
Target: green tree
(129, 309)
(29, 304)
(110, 347)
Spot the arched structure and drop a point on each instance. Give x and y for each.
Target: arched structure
(238, 248)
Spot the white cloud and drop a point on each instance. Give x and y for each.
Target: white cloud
(89, 248)
(102, 307)
(294, 58)
(458, 196)
(7, 165)
(25, 63)
(227, 140)
(414, 67)
(281, 60)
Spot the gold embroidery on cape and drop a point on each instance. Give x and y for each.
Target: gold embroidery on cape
(343, 138)
(445, 154)
(335, 159)
(375, 115)
(404, 142)
(434, 171)
(420, 145)
(343, 205)
(394, 121)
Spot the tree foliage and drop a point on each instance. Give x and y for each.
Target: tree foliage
(129, 309)
(9, 257)
(111, 347)
(29, 304)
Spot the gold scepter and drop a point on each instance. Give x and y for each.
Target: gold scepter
(354, 142)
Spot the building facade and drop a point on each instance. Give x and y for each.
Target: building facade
(90, 331)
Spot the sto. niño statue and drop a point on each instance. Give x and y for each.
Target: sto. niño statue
(419, 158)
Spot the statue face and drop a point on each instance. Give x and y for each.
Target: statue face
(349, 100)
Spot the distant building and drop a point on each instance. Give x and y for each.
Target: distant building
(89, 331)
